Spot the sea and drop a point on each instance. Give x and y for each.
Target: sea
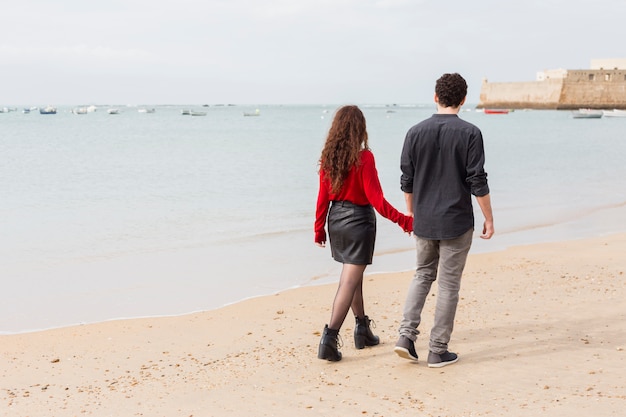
(116, 216)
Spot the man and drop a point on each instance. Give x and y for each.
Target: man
(442, 166)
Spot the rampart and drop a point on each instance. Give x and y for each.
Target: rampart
(595, 89)
(521, 95)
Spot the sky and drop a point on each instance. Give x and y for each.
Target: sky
(67, 52)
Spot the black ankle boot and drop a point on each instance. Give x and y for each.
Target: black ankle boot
(329, 345)
(363, 335)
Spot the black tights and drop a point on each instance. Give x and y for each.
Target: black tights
(349, 294)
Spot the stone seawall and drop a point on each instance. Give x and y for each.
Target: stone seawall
(521, 95)
(598, 95)
(580, 89)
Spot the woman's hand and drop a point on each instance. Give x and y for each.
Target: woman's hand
(321, 244)
(407, 224)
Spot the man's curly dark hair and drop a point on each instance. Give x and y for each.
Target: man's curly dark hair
(451, 90)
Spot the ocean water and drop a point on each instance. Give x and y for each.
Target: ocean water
(132, 215)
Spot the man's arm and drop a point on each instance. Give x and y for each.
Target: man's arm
(485, 206)
(408, 198)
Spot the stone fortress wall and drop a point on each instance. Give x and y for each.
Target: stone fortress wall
(601, 87)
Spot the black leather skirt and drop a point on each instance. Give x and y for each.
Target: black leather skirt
(352, 232)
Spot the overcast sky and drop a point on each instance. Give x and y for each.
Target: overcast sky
(289, 51)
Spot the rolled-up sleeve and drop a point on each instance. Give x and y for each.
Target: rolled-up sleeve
(407, 165)
(476, 175)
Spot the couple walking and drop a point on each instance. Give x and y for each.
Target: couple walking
(442, 164)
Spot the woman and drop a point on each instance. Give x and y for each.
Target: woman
(349, 184)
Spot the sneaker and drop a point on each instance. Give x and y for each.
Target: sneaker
(440, 360)
(405, 348)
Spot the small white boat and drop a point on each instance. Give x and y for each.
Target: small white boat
(587, 114)
(614, 113)
(113, 111)
(48, 110)
(80, 110)
(185, 112)
(257, 112)
(197, 113)
(146, 110)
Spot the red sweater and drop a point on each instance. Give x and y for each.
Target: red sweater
(360, 187)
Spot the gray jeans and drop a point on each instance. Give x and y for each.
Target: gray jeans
(447, 256)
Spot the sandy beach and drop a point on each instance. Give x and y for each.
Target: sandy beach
(540, 330)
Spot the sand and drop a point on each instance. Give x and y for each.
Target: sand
(540, 330)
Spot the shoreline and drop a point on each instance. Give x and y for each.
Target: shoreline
(384, 264)
(540, 328)
(128, 286)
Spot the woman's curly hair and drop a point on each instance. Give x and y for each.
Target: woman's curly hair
(346, 138)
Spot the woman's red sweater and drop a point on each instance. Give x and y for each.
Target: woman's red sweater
(360, 187)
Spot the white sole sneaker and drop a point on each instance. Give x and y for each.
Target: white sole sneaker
(404, 353)
(442, 363)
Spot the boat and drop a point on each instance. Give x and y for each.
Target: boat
(48, 110)
(113, 111)
(146, 110)
(80, 110)
(185, 112)
(257, 112)
(614, 113)
(587, 114)
(197, 113)
(496, 111)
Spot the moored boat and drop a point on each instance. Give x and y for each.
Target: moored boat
(587, 114)
(496, 111)
(614, 113)
(257, 112)
(48, 110)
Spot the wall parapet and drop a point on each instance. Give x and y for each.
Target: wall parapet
(598, 89)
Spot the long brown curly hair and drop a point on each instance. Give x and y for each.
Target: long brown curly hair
(346, 138)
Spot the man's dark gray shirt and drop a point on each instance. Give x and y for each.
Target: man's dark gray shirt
(442, 165)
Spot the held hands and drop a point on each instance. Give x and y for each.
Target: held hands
(407, 224)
